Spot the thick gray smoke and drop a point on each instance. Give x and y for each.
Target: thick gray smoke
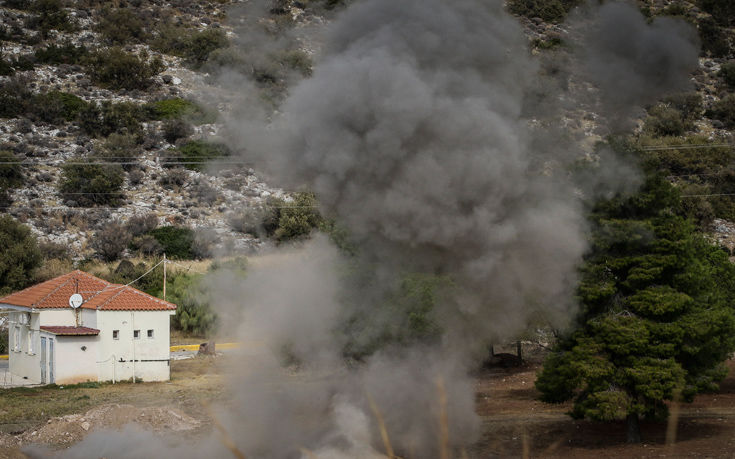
(292, 304)
(632, 62)
(410, 134)
(414, 134)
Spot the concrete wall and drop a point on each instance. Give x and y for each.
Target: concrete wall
(74, 365)
(24, 342)
(151, 355)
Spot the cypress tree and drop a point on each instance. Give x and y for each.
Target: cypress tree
(656, 320)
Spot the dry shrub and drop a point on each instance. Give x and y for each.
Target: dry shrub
(141, 224)
(53, 267)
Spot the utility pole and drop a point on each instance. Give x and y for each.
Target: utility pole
(164, 277)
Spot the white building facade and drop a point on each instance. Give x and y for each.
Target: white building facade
(115, 333)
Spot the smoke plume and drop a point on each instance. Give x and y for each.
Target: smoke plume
(631, 62)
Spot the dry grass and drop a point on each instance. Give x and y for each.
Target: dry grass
(178, 337)
(193, 382)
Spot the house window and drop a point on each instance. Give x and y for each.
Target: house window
(150, 333)
(115, 334)
(16, 339)
(136, 334)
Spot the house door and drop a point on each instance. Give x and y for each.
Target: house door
(51, 378)
(43, 360)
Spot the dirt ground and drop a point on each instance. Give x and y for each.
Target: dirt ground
(514, 422)
(58, 416)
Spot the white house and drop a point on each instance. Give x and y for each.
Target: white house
(78, 328)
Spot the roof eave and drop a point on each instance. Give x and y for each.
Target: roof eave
(15, 307)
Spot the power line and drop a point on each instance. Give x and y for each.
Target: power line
(147, 206)
(188, 268)
(706, 195)
(58, 162)
(701, 175)
(686, 146)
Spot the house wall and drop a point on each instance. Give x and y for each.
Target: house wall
(88, 318)
(74, 365)
(60, 317)
(151, 355)
(24, 342)
(105, 357)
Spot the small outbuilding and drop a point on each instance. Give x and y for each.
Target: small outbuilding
(77, 328)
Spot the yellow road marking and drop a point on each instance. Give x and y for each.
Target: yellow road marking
(195, 347)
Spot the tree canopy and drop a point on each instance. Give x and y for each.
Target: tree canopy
(19, 256)
(656, 320)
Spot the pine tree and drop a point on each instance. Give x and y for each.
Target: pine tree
(656, 320)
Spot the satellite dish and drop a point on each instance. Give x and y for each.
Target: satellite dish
(75, 300)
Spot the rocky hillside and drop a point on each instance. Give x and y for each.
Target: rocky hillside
(110, 114)
(121, 94)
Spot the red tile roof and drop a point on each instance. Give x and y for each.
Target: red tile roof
(97, 293)
(69, 331)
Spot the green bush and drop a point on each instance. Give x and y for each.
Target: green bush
(20, 63)
(120, 26)
(11, 176)
(14, 97)
(176, 241)
(101, 120)
(193, 313)
(66, 53)
(120, 148)
(713, 38)
(126, 272)
(17, 4)
(548, 10)
(722, 10)
(194, 46)
(282, 220)
(689, 104)
(177, 108)
(297, 219)
(665, 121)
(551, 43)
(727, 72)
(704, 171)
(49, 15)
(56, 107)
(19, 255)
(197, 152)
(298, 61)
(89, 185)
(406, 315)
(174, 130)
(114, 68)
(675, 9)
(13, 30)
(724, 110)
(6, 68)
